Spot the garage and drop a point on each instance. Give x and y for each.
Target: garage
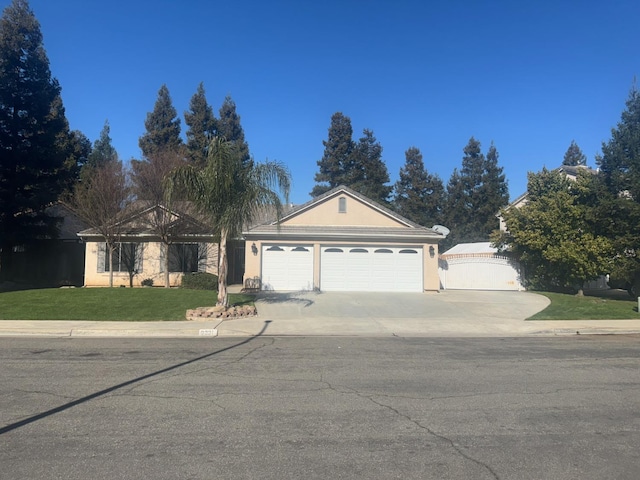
(287, 267)
(342, 241)
(353, 268)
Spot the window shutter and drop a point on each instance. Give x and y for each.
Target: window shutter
(202, 257)
(102, 254)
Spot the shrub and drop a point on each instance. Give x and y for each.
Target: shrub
(199, 281)
(147, 282)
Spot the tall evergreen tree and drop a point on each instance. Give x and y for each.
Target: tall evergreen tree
(620, 173)
(366, 173)
(337, 155)
(620, 159)
(34, 134)
(418, 195)
(103, 150)
(202, 127)
(493, 192)
(229, 127)
(475, 195)
(163, 127)
(573, 156)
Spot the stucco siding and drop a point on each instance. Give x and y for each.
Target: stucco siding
(151, 266)
(357, 214)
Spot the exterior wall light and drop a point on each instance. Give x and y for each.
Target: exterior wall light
(432, 251)
(254, 248)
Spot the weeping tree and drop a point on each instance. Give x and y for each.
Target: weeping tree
(232, 193)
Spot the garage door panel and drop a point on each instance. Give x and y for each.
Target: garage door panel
(287, 267)
(369, 268)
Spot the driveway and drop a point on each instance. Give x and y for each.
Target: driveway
(448, 313)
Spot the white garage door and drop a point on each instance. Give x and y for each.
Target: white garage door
(287, 267)
(371, 269)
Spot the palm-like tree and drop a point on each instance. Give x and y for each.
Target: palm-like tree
(231, 193)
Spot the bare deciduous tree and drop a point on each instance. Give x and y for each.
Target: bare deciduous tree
(99, 199)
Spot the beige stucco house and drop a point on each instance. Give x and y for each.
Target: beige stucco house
(342, 241)
(141, 253)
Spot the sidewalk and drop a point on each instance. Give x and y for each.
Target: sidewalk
(328, 326)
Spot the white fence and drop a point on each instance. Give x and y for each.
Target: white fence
(486, 272)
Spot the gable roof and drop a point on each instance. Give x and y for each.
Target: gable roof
(406, 230)
(343, 189)
(134, 221)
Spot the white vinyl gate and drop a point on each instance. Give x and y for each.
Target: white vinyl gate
(371, 269)
(479, 273)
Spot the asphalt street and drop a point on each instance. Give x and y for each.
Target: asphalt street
(320, 408)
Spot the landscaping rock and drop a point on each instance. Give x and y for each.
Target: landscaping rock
(203, 313)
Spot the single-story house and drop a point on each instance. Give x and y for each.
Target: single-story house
(140, 252)
(478, 266)
(342, 241)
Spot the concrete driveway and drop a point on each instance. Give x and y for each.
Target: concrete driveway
(448, 313)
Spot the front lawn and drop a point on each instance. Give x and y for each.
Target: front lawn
(571, 307)
(117, 304)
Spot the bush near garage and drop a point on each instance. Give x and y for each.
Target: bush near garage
(199, 281)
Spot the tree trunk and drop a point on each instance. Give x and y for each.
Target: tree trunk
(222, 270)
(112, 249)
(167, 281)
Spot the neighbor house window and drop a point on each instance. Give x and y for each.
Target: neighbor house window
(126, 258)
(342, 205)
(183, 257)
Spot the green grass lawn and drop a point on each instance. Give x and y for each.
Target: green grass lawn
(117, 304)
(571, 307)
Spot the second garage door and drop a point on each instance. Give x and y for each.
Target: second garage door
(371, 269)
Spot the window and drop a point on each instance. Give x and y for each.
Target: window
(342, 205)
(127, 257)
(408, 251)
(183, 257)
(358, 250)
(333, 250)
(383, 250)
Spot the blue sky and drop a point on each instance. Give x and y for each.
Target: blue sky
(529, 76)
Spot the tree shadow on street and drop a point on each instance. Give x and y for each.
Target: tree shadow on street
(79, 401)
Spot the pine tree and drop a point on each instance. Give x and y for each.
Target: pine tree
(620, 159)
(163, 127)
(475, 195)
(337, 155)
(574, 156)
(229, 128)
(103, 151)
(418, 195)
(202, 127)
(457, 211)
(620, 173)
(493, 193)
(34, 134)
(366, 173)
